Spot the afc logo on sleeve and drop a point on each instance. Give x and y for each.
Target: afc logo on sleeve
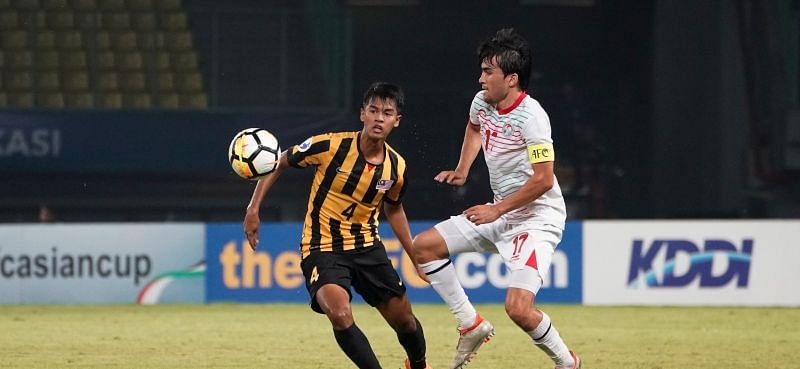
(303, 147)
(541, 153)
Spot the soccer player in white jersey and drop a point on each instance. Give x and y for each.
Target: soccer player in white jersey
(525, 221)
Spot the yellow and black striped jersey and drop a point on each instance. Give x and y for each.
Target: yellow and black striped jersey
(347, 191)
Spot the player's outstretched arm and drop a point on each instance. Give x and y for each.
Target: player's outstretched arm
(251, 218)
(469, 151)
(396, 216)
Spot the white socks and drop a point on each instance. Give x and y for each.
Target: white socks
(546, 338)
(444, 280)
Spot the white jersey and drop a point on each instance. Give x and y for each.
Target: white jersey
(506, 136)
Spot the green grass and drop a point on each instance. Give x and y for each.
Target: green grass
(291, 336)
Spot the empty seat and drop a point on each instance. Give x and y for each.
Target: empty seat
(177, 40)
(14, 40)
(73, 60)
(60, 20)
(124, 40)
(19, 81)
(81, 100)
(185, 61)
(20, 59)
(105, 60)
(193, 101)
(111, 100)
(51, 100)
(188, 82)
(116, 21)
(166, 82)
(84, 5)
(102, 40)
(48, 81)
(20, 100)
(132, 82)
(86, 20)
(129, 61)
(143, 21)
(9, 19)
(140, 4)
(48, 60)
(31, 18)
(168, 101)
(158, 60)
(107, 81)
(168, 4)
(148, 40)
(69, 40)
(45, 39)
(136, 101)
(55, 4)
(175, 21)
(26, 4)
(112, 4)
(75, 81)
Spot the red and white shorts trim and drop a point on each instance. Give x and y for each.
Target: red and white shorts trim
(526, 248)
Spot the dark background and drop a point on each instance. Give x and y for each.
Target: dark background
(659, 108)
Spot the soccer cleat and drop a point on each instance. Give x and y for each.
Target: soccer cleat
(575, 359)
(470, 340)
(408, 365)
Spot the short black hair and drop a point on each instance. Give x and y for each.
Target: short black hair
(385, 91)
(512, 51)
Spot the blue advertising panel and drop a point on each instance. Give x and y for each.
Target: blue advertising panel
(142, 141)
(272, 273)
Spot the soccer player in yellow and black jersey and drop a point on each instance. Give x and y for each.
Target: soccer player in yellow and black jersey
(356, 174)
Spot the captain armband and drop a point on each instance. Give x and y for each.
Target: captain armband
(541, 153)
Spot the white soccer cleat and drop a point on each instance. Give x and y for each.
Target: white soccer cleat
(470, 340)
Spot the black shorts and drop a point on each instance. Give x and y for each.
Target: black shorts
(368, 270)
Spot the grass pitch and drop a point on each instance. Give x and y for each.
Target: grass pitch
(292, 336)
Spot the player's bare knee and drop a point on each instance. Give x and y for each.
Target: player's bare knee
(517, 313)
(429, 246)
(340, 318)
(404, 324)
(420, 247)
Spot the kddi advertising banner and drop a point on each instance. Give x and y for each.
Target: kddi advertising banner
(272, 272)
(100, 263)
(692, 263)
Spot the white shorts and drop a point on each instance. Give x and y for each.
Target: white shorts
(526, 248)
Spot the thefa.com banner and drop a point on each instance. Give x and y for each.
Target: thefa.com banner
(272, 272)
(696, 262)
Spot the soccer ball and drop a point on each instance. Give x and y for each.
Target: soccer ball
(254, 153)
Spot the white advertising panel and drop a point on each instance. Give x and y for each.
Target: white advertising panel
(96, 263)
(755, 263)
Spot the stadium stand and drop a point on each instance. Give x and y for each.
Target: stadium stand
(108, 54)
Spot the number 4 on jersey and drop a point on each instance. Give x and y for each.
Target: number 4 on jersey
(349, 211)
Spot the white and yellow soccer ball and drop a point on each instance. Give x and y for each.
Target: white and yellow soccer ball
(254, 153)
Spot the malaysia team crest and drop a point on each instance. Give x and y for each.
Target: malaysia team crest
(384, 184)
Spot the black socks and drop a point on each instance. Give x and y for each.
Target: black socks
(356, 346)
